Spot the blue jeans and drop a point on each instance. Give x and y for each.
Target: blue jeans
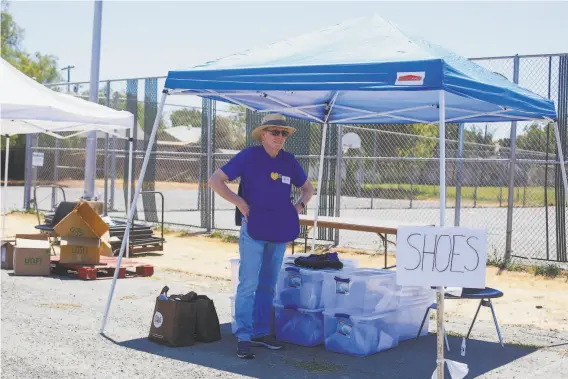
(258, 272)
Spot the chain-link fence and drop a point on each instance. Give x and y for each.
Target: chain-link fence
(387, 172)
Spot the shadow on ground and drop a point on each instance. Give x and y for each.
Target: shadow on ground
(411, 359)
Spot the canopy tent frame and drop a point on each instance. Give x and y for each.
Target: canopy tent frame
(28, 107)
(317, 69)
(442, 159)
(61, 137)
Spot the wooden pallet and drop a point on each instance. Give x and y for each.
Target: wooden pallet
(104, 270)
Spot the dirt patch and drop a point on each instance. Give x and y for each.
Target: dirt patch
(529, 300)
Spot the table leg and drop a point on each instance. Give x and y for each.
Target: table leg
(384, 239)
(306, 239)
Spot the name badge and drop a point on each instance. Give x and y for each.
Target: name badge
(285, 179)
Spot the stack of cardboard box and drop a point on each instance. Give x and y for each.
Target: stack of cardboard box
(84, 236)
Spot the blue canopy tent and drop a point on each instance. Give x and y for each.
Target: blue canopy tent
(365, 71)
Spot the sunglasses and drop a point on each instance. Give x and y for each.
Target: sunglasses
(276, 133)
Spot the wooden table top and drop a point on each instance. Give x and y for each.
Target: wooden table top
(359, 224)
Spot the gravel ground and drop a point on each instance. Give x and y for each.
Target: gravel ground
(50, 330)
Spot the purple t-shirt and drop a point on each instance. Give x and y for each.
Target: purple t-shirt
(266, 185)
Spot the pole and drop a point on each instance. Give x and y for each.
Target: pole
(68, 69)
(209, 163)
(440, 292)
(511, 194)
(106, 153)
(91, 148)
(55, 173)
(413, 172)
(133, 206)
(129, 190)
(457, 215)
(561, 157)
(113, 160)
(546, 165)
(5, 194)
(106, 175)
(320, 190)
(28, 174)
(338, 178)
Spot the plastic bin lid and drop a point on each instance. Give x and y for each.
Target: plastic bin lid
(307, 273)
(370, 273)
(303, 310)
(357, 315)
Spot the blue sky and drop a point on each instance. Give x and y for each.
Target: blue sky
(143, 38)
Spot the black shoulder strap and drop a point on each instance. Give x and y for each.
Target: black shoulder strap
(238, 214)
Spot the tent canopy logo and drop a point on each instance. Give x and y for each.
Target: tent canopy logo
(410, 78)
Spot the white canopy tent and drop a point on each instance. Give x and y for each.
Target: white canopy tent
(364, 71)
(29, 107)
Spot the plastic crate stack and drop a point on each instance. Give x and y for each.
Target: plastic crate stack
(354, 311)
(235, 263)
(299, 304)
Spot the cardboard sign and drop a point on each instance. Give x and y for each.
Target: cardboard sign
(439, 256)
(37, 159)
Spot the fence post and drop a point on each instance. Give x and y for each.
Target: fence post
(113, 160)
(546, 164)
(457, 213)
(55, 174)
(338, 178)
(209, 162)
(374, 183)
(29, 174)
(511, 194)
(106, 154)
(413, 172)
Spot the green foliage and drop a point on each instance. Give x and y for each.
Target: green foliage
(186, 116)
(549, 270)
(41, 67)
(534, 138)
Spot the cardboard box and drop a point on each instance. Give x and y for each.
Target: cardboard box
(83, 221)
(106, 248)
(31, 254)
(80, 250)
(8, 254)
(98, 206)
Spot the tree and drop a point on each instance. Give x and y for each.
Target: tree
(186, 116)
(534, 138)
(42, 68)
(12, 35)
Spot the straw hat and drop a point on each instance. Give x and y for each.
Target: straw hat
(269, 120)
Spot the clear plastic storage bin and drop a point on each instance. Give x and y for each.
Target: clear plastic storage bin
(359, 334)
(362, 290)
(288, 260)
(300, 287)
(409, 317)
(233, 322)
(413, 294)
(298, 326)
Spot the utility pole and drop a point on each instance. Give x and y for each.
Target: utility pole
(68, 68)
(91, 145)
